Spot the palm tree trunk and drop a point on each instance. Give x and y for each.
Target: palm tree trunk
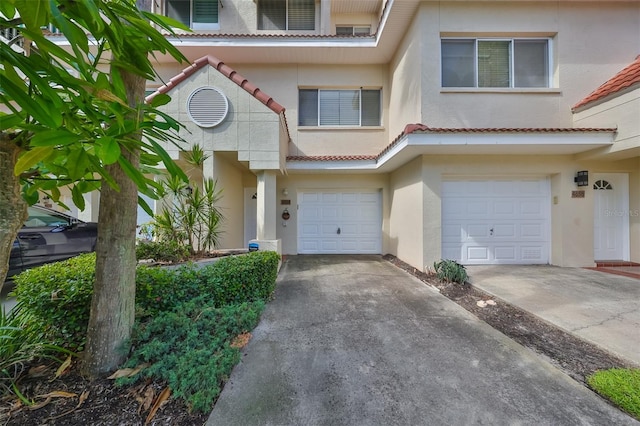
(113, 304)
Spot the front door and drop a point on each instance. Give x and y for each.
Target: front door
(611, 220)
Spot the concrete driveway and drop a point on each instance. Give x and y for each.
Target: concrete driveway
(353, 340)
(599, 307)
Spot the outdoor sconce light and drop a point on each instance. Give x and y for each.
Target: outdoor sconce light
(582, 178)
(285, 191)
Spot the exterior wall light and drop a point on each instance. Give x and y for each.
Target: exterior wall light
(582, 178)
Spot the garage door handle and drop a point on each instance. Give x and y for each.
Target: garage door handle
(491, 231)
(338, 231)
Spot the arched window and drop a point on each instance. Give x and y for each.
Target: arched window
(602, 184)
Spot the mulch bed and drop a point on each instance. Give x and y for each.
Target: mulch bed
(573, 355)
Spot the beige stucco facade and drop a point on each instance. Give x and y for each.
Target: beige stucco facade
(428, 134)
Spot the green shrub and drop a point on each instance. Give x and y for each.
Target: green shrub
(243, 278)
(621, 386)
(162, 289)
(450, 271)
(233, 279)
(162, 251)
(190, 348)
(58, 297)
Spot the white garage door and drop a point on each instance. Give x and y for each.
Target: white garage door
(340, 222)
(496, 222)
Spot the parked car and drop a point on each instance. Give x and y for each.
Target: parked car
(50, 236)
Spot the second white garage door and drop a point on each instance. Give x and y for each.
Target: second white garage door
(496, 222)
(340, 222)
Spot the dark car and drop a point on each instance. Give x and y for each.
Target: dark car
(50, 236)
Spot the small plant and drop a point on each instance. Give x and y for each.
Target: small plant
(450, 271)
(193, 218)
(161, 251)
(621, 386)
(20, 342)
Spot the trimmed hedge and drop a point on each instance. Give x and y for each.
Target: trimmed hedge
(58, 298)
(59, 294)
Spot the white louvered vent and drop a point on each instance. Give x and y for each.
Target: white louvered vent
(207, 106)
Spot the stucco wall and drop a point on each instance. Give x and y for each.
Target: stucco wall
(621, 112)
(591, 41)
(406, 213)
(405, 83)
(251, 129)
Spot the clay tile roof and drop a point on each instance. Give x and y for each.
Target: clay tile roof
(422, 128)
(331, 158)
(228, 72)
(625, 79)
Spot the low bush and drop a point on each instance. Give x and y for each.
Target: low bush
(162, 251)
(162, 289)
(57, 296)
(450, 271)
(621, 386)
(238, 279)
(190, 348)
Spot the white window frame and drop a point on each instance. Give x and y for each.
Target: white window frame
(511, 61)
(286, 15)
(197, 26)
(360, 90)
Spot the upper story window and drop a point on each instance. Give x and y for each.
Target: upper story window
(195, 14)
(286, 15)
(352, 30)
(320, 107)
(496, 63)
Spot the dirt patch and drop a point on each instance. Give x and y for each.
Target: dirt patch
(73, 400)
(573, 355)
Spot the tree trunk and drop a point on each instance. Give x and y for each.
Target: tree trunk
(113, 304)
(13, 208)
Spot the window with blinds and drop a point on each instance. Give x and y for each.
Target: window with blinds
(495, 63)
(195, 14)
(320, 107)
(286, 15)
(351, 30)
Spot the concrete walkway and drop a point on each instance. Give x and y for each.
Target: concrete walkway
(600, 307)
(353, 340)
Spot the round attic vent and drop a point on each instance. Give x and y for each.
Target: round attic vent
(207, 106)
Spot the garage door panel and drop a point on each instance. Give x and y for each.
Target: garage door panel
(504, 207)
(349, 229)
(329, 198)
(357, 214)
(477, 254)
(478, 208)
(533, 253)
(474, 231)
(505, 253)
(492, 222)
(532, 230)
(505, 230)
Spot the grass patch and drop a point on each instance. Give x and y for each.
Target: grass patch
(619, 385)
